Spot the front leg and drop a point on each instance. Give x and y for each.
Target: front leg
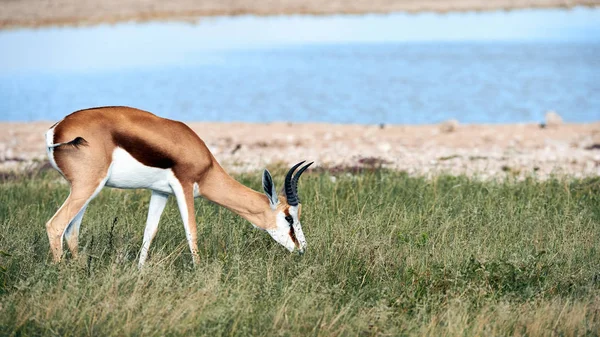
(158, 201)
(184, 193)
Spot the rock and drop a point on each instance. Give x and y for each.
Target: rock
(384, 147)
(449, 125)
(8, 154)
(553, 119)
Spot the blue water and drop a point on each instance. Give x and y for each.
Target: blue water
(371, 81)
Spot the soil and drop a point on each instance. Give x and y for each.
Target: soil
(483, 151)
(37, 13)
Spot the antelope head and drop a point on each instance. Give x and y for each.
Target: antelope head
(287, 229)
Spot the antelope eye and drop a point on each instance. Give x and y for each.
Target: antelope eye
(289, 219)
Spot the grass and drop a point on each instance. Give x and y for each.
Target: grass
(388, 255)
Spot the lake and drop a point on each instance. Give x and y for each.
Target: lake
(367, 81)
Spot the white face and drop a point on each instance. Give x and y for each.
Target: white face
(289, 235)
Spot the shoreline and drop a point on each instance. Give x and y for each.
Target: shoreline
(477, 150)
(35, 14)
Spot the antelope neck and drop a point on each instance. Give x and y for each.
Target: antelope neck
(222, 189)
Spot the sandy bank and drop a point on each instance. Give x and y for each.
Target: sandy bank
(36, 13)
(482, 150)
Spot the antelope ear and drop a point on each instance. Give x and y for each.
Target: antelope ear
(269, 188)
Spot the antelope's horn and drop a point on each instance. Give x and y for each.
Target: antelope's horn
(290, 194)
(297, 177)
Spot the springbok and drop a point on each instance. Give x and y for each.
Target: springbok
(129, 148)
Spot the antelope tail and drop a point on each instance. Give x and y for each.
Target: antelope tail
(77, 142)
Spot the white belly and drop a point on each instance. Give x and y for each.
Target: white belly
(127, 172)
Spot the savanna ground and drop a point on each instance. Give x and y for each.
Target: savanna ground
(36, 13)
(388, 254)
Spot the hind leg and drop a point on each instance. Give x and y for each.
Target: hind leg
(72, 232)
(87, 169)
(68, 214)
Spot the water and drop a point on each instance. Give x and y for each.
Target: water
(369, 82)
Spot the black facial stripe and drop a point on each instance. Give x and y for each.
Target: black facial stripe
(290, 220)
(293, 235)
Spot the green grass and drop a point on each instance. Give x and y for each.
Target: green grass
(387, 255)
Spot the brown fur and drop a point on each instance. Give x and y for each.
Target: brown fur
(153, 141)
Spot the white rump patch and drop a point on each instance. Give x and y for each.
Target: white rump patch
(50, 149)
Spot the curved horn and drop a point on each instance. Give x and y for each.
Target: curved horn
(292, 200)
(297, 177)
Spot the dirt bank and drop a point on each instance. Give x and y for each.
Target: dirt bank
(36, 13)
(482, 150)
